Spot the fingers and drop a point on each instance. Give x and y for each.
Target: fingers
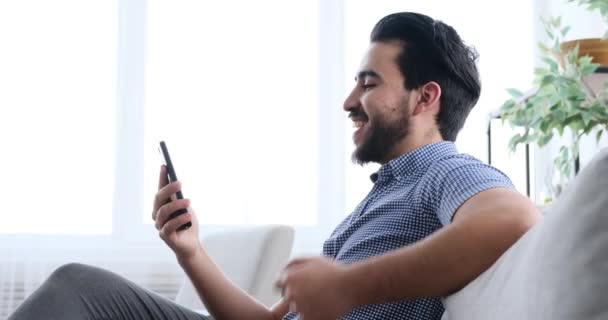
(172, 225)
(162, 177)
(287, 294)
(288, 271)
(163, 195)
(295, 262)
(287, 275)
(292, 307)
(162, 215)
(281, 282)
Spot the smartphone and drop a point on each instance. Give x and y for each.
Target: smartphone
(171, 176)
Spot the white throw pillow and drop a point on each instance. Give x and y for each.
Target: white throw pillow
(558, 269)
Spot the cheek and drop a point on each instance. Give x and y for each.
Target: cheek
(372, 102)
(385, 101)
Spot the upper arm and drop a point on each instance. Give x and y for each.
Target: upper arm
(457, 181)
(484, 227)
(498, 215)
(482, 213)
(501, 203)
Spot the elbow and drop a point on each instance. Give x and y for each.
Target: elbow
(521, 219)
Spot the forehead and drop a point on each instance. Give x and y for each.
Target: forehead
(381, 58)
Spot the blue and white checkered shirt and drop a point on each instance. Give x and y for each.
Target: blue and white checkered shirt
(413, 196)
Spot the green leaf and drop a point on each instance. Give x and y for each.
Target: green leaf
(556, 22)
(586, 65)
(556, 46)
(549, 33)
(540, 72)
(558, 161)
(507, 106)
(567, 170)
(545, 123)
(592, 124)
(515, 93)
(551, 63)
(515, 140)
(575, 148)
(585, 60)
(545, 139)
(575, 122)
(598, 135)
(547, 80)
(574, 53)
(560, 115)
(565, 30)
(543, 47)
(587, 117)
(560, 129)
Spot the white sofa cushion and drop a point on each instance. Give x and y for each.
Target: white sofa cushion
(558, 269)
(250, 257)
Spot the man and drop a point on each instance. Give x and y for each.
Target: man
(448, 216)
(433, 221)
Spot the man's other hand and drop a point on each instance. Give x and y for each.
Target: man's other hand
(317, 288)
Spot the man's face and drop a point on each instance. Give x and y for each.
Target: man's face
(378, 105)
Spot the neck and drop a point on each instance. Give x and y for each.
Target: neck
(412, 142)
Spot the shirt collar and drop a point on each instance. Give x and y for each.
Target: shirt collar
(415, 160)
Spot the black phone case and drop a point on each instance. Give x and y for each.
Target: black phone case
(171, 176)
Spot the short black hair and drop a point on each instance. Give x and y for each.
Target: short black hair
(433, 51)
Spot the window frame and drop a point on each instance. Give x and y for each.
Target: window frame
(130, 234)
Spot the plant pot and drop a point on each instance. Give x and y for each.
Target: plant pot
(597, 48)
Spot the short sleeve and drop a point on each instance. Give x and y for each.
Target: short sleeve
(459, 180)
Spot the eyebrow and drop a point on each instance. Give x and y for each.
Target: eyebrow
(366, 73)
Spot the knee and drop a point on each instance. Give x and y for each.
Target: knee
(69, 269)
(71, 274)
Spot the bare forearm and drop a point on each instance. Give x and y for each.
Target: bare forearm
(223, 299)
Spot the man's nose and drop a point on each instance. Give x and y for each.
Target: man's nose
(352, 101)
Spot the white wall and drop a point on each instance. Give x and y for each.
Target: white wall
(584, 24)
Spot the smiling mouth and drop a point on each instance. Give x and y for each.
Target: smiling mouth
(359, 119)
(358, 124)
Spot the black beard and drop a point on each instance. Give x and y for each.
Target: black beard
(382, 140)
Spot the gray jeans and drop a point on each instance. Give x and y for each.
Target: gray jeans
(78, 292)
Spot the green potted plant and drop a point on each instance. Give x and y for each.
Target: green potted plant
(563, 103)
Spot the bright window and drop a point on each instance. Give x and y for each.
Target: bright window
(231, 86)
(58, 80)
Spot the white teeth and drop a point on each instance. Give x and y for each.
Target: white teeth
(358, 124)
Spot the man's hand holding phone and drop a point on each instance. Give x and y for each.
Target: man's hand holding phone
(184, 243)
(174, 218)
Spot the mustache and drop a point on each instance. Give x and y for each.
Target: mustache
(357, 114)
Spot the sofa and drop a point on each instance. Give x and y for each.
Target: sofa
(558, 270)
(251, 257)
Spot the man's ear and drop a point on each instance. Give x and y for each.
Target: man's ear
(429, 96)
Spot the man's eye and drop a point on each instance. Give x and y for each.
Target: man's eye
(367, 86)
